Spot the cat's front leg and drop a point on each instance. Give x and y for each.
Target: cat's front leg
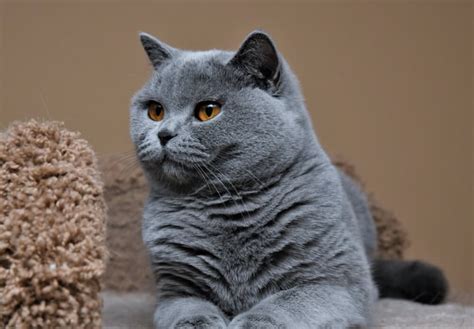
(310, 307)
(188, 313)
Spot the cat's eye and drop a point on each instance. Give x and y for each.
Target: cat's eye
(207, 110)
(156, 112)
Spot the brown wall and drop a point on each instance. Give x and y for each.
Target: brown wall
(389, 87)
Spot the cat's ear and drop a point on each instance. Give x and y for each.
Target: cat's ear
(258, 56)
(158, 52)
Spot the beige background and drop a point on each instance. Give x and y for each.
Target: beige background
(388, 84)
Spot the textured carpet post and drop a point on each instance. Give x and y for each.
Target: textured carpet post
(52, 228)
(392, 238)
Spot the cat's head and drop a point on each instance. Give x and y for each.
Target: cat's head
(235, 117)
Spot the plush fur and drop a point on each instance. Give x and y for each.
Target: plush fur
(125, 191)
(248, 223)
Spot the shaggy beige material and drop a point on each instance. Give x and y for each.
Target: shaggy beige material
(52, 229)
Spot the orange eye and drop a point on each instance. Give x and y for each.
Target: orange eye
(206, 111)
(156, 112)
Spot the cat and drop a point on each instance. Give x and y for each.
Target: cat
(248, 224)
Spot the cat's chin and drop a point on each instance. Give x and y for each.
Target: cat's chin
(175, 173)
(173, 169)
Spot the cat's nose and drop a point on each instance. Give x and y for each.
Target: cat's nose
(165, 136)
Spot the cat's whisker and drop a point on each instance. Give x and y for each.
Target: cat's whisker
(198, 170)
(126, 161)
(129, 169)
(126, 152)
(129, 165)
(225, 187)
(207, 179)
(144, 153)
(226, 178)
(233, 187)
(45, 105)
(122, 156)
(210, 181)
(252, 176)
(220, 181)
(125, 158)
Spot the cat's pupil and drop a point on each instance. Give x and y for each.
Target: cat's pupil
(209, 109)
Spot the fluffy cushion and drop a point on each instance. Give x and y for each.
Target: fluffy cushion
(52, 228)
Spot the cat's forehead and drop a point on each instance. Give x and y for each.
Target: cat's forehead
(193, 75)
(197, 63)
(204, 56)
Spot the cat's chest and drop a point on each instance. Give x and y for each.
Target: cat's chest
(230, 266)
(236, 258)
(234, 243)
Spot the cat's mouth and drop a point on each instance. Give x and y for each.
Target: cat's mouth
(176, 170)
(169, 160)
(187, 160)
(176, 166)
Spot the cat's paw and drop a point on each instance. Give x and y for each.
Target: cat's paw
(256, 321)
(200, 322)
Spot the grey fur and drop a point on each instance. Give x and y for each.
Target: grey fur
(248, 224)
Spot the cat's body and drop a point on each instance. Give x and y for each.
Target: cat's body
(240, 249)
(248, 224)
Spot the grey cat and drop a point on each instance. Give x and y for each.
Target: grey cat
(248, 224)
